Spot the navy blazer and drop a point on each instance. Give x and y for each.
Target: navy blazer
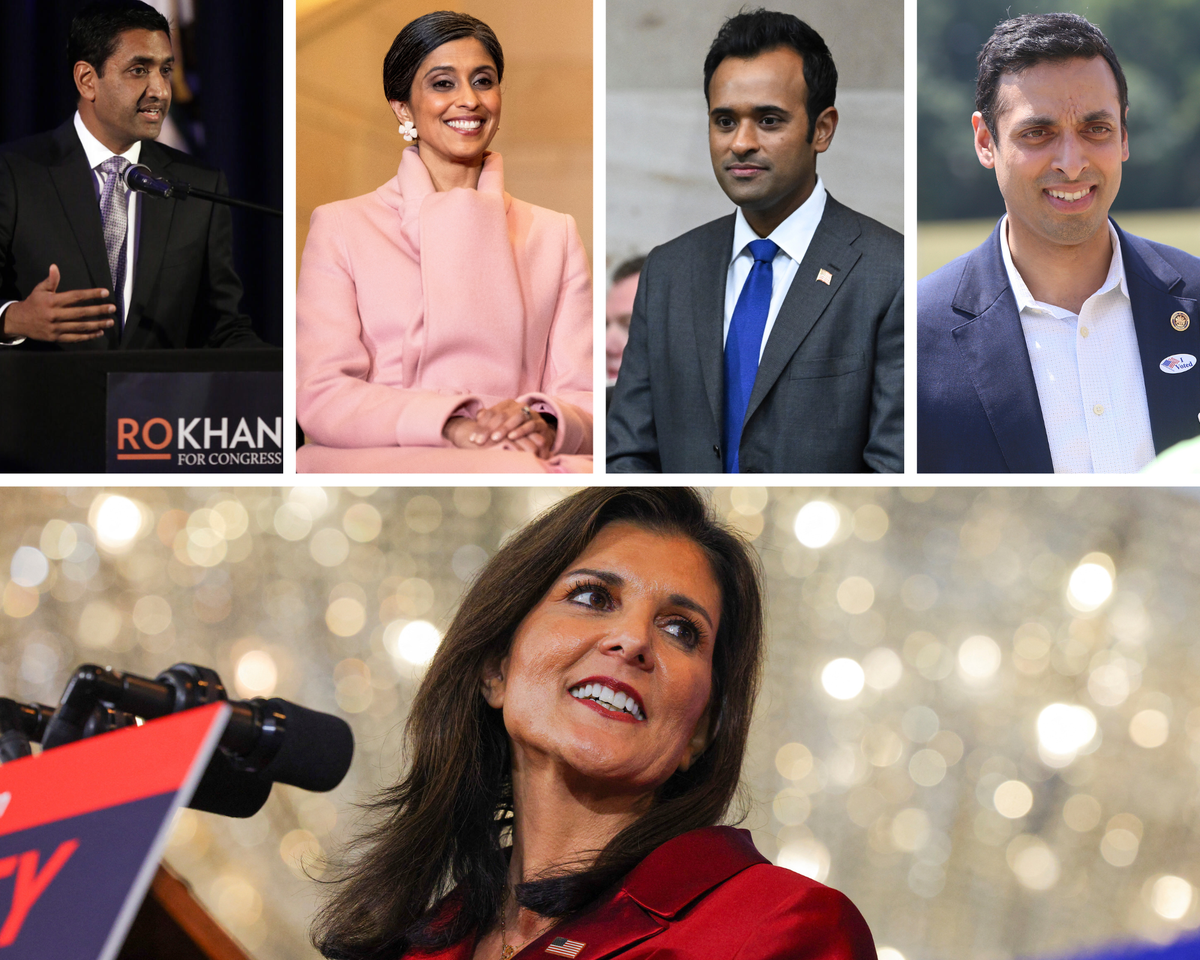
(977, 402)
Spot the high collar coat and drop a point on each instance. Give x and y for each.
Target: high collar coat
(414, 306)
(708, 894)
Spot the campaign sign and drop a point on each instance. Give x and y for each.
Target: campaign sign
(227, 422)
(82, 828)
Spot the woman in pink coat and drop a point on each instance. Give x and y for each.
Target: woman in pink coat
(441, 325)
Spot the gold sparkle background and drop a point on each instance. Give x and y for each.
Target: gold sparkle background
(902, 752)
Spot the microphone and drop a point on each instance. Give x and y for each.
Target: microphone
(139, 177)
(20, 723)
(265, 741)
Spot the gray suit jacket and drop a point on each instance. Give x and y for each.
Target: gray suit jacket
(829, 395)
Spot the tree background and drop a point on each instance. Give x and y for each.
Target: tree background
(1155, 41)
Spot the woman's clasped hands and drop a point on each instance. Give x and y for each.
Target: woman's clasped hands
(524, 428)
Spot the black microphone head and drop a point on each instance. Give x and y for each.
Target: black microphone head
(133, 173)
(228, 791)
(316, 751)
(138, 176)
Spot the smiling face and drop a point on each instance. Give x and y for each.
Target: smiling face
(758, 135)
(609, 676)
(454, 104)
(1057, 152)
(130, 100)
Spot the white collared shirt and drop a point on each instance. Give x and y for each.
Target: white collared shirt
(793, 237)
(96, 154)
(1088, 372)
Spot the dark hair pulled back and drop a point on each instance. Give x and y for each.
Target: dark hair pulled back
(424, 35)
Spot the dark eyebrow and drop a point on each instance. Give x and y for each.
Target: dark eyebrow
(1048, 121)
(616, 580)
(764, 108)
(148, 60)
(447, 66)
(1037, 121)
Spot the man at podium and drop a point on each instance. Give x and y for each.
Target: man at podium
(87, 263)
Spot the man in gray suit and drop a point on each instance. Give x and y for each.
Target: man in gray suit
(770, 341)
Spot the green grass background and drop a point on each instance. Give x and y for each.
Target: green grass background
(939, 242)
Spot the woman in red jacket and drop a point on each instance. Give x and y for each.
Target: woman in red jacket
(574, 743)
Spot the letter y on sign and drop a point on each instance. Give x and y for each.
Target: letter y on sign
(30, 884)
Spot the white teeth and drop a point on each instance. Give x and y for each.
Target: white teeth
(465, 124)
(614, 701)
(1062, 195)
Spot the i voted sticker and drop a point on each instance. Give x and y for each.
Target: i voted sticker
(1177, 363)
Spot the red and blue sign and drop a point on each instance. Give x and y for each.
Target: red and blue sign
(82, 828)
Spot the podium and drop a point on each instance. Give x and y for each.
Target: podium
(54, 403)
(171, 925)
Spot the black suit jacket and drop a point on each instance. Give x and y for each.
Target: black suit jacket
(977, 401)
(829, 394)
(185, 290)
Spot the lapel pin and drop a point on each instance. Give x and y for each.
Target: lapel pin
(825, 277)
(1180, 320)
(1177, 363)
(562, 947)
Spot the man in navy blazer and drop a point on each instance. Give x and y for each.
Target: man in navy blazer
(1062, 343)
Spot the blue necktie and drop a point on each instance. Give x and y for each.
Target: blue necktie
(743, 343)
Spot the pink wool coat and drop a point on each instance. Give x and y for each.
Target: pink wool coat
(414, 306)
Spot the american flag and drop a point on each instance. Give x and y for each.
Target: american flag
(562, 947)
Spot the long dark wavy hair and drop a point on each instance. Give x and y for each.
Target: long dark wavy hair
(433, 868)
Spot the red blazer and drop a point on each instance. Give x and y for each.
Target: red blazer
(708, 894)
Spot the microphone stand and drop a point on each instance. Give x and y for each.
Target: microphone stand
(139, 177)
(181, 191)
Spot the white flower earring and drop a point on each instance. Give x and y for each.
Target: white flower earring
(408, 131)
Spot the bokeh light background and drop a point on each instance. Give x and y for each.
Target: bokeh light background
(980, 719)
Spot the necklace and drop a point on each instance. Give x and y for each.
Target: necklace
(508, 950)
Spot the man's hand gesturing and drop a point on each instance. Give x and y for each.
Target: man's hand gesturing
(47, 314)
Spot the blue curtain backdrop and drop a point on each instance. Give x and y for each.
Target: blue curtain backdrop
(237, 74)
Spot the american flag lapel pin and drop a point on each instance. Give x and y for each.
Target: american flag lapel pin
(562, 947)
(825, 277)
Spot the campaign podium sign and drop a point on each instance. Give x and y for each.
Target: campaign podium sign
(210, 422)
(83, 826)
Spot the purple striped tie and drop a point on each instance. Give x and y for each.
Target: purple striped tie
(114, 212)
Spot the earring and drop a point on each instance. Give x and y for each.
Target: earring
(408, 131)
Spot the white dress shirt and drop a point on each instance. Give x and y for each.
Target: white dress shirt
(1088, 372)
(793, 237)
(97, 153)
